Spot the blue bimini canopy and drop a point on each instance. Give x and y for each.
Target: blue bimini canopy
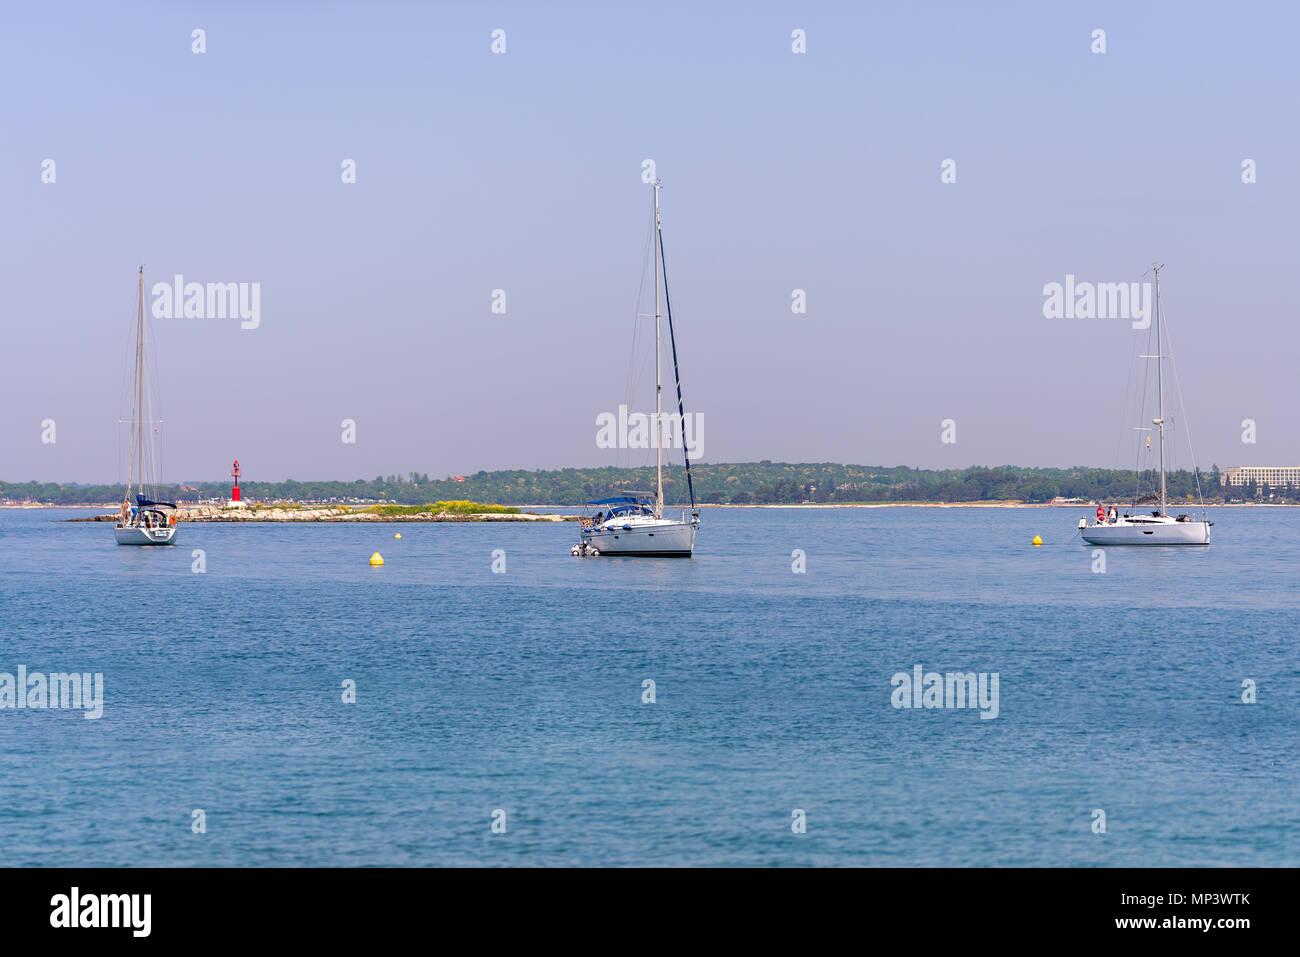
(636, 498)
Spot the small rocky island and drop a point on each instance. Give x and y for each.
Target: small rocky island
(289, 512)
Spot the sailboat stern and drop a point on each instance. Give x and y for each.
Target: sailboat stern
(140, 535)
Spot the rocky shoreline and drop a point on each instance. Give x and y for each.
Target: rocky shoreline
(336, 513)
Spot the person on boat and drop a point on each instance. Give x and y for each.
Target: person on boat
(1113, 515)
(599, 517)
(1101, 514)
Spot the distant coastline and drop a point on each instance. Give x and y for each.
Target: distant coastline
(712, 484)
(1064, 505)
(307, 515)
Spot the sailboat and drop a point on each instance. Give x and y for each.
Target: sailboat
(1157, 526)
(145, 522)
(633, 523)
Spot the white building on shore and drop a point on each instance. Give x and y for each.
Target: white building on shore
(1274, 476)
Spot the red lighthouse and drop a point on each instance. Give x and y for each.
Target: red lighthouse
(234, 491)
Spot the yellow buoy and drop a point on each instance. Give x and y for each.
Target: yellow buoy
(376, 559)
(398, 535)
(1037, 541)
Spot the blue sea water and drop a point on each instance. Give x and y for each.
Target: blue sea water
(522, 691)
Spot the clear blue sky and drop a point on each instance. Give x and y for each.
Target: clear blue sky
(521, 171)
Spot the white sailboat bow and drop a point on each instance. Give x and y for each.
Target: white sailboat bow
(1156, 526)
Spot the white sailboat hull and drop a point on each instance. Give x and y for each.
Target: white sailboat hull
(1167, 532)
(138, 535)
(659, 538)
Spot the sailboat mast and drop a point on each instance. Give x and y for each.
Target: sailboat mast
(139, 377)
(1160, 390)
(659, 385)
(135, 402)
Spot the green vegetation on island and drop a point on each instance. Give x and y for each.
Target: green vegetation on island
(747, 483)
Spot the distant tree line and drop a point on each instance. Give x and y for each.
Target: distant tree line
(758, 483)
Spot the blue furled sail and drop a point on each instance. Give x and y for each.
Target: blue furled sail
(146, 503)
(681, 409)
